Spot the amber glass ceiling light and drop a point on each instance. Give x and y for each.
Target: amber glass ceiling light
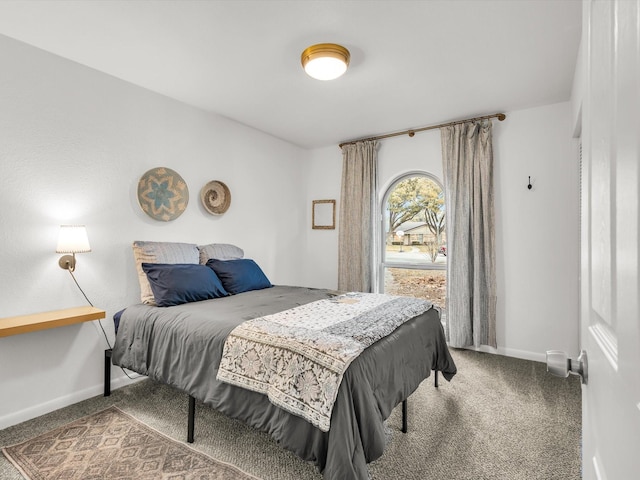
(325, 61)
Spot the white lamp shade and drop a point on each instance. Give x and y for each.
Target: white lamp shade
(73, 239)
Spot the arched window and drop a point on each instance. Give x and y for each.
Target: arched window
(414, 243)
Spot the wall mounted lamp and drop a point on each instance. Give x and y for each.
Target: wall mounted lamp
(72, 239)
(325, 61)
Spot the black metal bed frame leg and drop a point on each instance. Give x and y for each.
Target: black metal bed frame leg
(107, 392)
(404, 405)
(191, 421)
(404, 416)
(107, 372)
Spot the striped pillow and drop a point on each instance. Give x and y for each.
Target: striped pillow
(219, 251)
(160, 252)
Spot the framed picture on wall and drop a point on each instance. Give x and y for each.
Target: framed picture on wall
(323, 214)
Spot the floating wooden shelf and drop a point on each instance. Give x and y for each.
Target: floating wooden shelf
(45, 320)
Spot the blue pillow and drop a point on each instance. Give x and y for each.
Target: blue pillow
(175, 284)
(239, 275)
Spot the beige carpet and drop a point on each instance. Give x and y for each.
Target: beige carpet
(500, 418)
(112, 444)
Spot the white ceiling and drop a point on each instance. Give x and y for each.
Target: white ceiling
(413, 63)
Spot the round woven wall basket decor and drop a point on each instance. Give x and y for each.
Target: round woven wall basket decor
(215, 197)
(163, 194)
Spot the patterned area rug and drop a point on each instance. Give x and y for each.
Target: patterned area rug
(112, 444)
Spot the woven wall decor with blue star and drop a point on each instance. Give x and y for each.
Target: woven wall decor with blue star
(163, 194)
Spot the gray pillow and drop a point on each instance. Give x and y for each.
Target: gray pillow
(160, 252)
(219, 251)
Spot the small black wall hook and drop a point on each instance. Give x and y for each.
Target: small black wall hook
(529, 186)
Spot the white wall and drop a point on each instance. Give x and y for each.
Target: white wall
(323, 182)
(536, 230)
(537, 233)
(73, 145)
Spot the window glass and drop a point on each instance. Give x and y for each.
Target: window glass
(414, 259)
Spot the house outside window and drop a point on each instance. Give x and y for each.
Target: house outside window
(414, 252)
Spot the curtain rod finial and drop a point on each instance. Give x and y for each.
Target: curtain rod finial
(501, 116)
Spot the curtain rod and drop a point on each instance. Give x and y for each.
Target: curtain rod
(412, 132)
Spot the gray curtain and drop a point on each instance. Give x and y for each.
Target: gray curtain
(357, 207)
(467, 155)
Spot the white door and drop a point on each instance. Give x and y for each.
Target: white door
(610, 316)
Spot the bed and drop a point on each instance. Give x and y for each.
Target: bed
(182, 345)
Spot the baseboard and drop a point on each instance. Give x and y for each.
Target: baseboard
(512, 352)
(526, 355)
(64, 401)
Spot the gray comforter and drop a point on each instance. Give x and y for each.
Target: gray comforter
(182, 346)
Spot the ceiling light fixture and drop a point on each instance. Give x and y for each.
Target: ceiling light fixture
(325, 61)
